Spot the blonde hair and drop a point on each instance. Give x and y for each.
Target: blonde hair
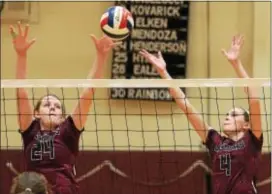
(30, 183)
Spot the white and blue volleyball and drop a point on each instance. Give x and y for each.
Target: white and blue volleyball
(117, 23)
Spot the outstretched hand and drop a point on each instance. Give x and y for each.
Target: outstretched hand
(234, 51)
(20, 39)
(103, 45)
(157, 61)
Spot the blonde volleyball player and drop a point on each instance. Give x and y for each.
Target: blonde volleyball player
(30, 183)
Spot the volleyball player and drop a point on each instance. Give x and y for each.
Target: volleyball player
(235, 155)
(51, 139)
(30, 183)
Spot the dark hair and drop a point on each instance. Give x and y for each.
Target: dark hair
(30, 183)
(38, 104)
(246, 114)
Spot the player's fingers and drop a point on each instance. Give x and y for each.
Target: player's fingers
(160, 54)
(11, 29)
(30, 43)
(233, 40)
(224, 52)
(145, 51)
(92, 36)
(237, 39)
(11, 168)
(94, 39)
(104, 37)
(144, 54)
(148, 57)
(20, 31)
(242, 39)
(26, 30)
(12, 32)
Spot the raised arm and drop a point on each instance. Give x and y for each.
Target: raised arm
(183, 103)
(21, 46)
(103, 47)
(232, 56)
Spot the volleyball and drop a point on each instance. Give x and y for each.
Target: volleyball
(117, 23)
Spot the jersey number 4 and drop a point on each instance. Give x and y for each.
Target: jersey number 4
(225, 163)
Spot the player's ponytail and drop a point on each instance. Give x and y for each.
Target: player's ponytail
(28, 191)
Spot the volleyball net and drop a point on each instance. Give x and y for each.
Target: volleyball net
(139, 125)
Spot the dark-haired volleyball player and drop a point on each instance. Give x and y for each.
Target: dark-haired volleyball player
(51, 139)
(235, 155)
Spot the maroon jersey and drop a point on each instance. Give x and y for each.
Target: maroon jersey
(234, 163)
(53, 154)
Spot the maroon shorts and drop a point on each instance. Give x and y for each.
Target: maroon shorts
(64, 185)
(65, 190)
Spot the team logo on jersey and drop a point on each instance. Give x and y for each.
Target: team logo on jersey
(225, 147)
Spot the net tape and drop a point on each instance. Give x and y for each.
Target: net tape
(134, 83)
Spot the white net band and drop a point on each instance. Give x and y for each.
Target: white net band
(134, 83)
